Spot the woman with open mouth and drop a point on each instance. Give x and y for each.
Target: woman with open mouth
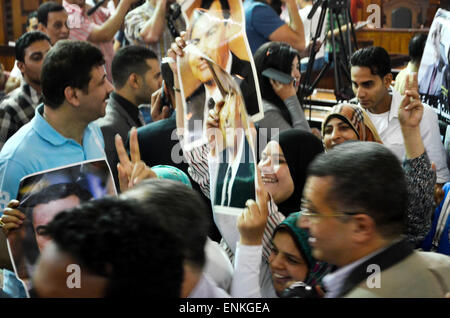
(283, 167)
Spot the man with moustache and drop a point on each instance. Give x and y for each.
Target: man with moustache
(75, 90)
(18, 107)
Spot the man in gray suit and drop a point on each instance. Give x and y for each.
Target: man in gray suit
(136, 76)
(355, 205)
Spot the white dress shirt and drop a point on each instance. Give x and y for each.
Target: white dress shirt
(390, 132)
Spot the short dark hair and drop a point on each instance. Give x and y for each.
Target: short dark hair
(68, 63)
(179, 210)
(367, 177)
(120, 241)
(45, 8)
(128, 60)
(55, 192)
(416, 47)
(31, 16)
(26, 40)
(375, 58)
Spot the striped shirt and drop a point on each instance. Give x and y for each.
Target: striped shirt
(81, 26)
(135, 21)
(16, 110)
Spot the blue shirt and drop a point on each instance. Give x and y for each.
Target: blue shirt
(260, 22)
(441, 225)
(36, 147)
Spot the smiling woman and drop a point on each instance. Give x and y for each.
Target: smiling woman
(283, 167)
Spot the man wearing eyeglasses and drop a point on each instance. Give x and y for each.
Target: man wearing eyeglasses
(355, 200)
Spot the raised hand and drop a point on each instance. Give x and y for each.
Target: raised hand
(410, 111)
(131, 170)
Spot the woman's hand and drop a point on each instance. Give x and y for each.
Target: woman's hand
(283, 91)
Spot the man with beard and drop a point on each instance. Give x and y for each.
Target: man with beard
(18, 108)
(136, 76)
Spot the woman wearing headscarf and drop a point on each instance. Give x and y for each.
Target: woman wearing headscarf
(350, 122)
(290, 260)
(283, 167)
(281, 106)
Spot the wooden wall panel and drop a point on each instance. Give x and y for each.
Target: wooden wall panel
(395, 41)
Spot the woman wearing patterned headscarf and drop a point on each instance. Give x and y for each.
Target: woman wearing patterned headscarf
(290, 260)
(347, 122)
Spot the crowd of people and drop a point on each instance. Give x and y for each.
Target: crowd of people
(367, 190)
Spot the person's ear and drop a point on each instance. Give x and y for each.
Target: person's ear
(388, 80)
(21, 66)
(363, 228)
(71, 95)
(134, 81)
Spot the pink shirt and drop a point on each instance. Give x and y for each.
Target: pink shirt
(81, 26)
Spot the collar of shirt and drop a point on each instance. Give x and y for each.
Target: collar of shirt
(30, 91)
(395, 103)
(46, 131)
(128, 106)
(334, 282)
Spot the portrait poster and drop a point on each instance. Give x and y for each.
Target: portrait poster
(45, 194)
(216, 30)
(232, 163)
(434, 71)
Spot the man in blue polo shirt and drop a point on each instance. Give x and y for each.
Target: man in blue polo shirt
(75, 90)
(263, 24)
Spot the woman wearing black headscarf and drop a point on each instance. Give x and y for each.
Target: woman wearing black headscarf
(281, 106)
(283, 167)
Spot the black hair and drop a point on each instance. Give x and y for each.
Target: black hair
(68, 63)
(375, 58)
(128, 60)
(31, 16)
(180, 210)
(119, 240)
(416, 47)
(46, 8)
(279, 56)
(26, 40)
(366, 177)
(55, 192)
(206, 4)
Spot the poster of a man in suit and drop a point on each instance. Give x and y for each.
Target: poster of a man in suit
(232, 158)
(216, 30)
(44, 195)
(433, 83)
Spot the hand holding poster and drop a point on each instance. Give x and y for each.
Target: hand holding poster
(44, 195)
(216, 31)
